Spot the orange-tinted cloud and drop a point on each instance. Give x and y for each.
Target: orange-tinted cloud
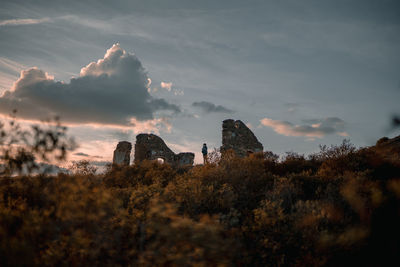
(167, 86)
(313, 129)
(16, 22)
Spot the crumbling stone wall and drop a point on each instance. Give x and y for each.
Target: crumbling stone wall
(238, 137)
(184, 159)
(122, 154)
(152, 147)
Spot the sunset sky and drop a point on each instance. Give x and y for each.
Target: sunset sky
(298, 73)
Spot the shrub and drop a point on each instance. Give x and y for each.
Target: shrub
(337, 207)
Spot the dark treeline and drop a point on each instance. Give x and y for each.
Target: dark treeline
(337, 207)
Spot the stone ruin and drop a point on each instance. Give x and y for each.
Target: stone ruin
(152, 147)
(238, 137)
(122, 154)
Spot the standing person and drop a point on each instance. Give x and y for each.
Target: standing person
(204, 151)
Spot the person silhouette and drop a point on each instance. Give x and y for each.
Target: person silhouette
(204, 151)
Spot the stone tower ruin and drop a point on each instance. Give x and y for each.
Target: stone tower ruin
(238, 137)
(122, 154)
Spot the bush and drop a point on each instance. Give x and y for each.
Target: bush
(337, 207)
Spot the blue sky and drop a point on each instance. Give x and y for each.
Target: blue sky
(299, 73)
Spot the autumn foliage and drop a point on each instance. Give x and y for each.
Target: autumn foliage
(337, 207)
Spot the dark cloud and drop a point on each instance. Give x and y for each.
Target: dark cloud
(395, 121)
(113, 90)
(81, 154)
(209, 107)
(311, 128)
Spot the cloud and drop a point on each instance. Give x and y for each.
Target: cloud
(209, 107)
(167, 86)
(312, 128)
(9, 69)
(150, 126)
(111, 91)
(16, 22)
(178, 92)
(10, 66)
(292, 107)
(81, 154)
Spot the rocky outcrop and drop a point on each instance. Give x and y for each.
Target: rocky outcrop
(389, 148)
(389, 143)
(152, 147)
(122, 154)
(385, 148)
(238, 137)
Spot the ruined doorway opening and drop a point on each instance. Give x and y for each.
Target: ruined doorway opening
(160, 160)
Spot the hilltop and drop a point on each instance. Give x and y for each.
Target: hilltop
(337, 207)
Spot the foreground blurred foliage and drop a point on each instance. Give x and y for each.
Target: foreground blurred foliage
(25, 150)
(338, 207)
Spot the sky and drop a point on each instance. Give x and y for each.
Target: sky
(298, 73)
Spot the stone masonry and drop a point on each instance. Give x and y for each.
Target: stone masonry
(152, 147)
(122, 154)
(238, 137)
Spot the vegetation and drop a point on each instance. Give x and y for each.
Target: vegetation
(21, 148)
(337, 207)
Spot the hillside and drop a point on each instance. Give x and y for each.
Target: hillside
(337, 207)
